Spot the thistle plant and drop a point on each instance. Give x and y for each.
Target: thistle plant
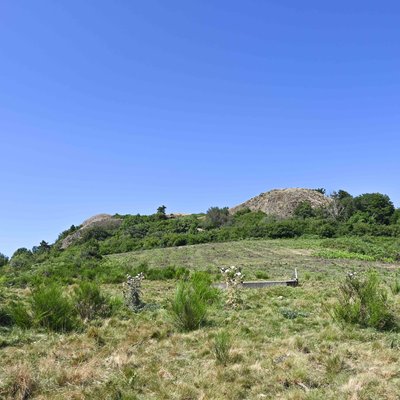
(132, 290)
(233, 280)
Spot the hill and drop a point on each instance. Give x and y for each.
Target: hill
(282, 343)
(283, 202)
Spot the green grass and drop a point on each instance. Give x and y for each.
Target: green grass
(282, 343)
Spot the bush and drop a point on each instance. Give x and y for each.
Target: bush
(53, 310)
(20, 315)
(216, 217)
(222, 347)
(3, 260)
(5, 317)
(262, 275)
(364, 302)
(189, 309)
(201, 282)
(90, 302)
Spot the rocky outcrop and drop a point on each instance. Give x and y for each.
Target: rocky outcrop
(283, 202)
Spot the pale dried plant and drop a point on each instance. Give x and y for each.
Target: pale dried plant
(132, 290)
(233, 280)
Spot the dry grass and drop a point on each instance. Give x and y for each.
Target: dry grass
(272, 357)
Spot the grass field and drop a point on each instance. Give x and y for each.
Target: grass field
(284, 343)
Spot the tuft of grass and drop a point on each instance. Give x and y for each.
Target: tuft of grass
(5, 317)
(292, 314)
(53, 310)
(20, 315)
(222, 347)
(22, 384)
(90, 302)
(334, 364)
(201, 282)
(395, 285)
(189, 308)
(364, 302)
(262, 275)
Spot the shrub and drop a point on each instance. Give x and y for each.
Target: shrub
(20, 315)
(395, 285)
(304, 210)
(216, 217)
(90, 302)
(189, 309)
(222, 347)
(364, 302)
(3, 260)
(201, 282)
(262, 275)
(52, 309)
(5, 317)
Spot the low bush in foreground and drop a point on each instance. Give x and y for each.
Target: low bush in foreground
(222, 347)
(90, 302)
(189, 307)
(363, 301)
(53, 310)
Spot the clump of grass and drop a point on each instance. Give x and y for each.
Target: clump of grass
(395, 285)
(90, 302)
(53, 310)
(201, 282)
(20, 315)
(222, 347)
(262, 275)
(364, 302)
(5, 317)
(189, 308)
(292, 314)
(334, 364)
(22, 384)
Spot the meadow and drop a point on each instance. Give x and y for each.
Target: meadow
(280, 343)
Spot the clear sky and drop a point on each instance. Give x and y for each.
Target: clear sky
(121, 106)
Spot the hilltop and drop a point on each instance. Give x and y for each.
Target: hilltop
(283, 202)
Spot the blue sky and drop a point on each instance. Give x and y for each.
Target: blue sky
(123, 106)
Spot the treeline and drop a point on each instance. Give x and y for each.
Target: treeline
(371, 214)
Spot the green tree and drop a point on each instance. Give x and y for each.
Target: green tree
(3, 259)
(376, 205)
(304, 210)
(216, 217)
(161, 214)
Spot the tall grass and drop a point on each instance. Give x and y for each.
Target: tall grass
(90, 302)
(189, 308)
(222, 347)
(53, 310)
(363, 301)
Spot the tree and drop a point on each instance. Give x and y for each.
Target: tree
(216, 217)
(304, 210)
(42, 248)
(376, 205)
(320, 190)
(342, 206)
(3, 259)
(161, 212)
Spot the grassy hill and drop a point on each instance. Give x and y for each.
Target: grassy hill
(284, 342)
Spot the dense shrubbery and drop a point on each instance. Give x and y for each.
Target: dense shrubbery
(52, 308)
(363, 301)
(190, 303)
